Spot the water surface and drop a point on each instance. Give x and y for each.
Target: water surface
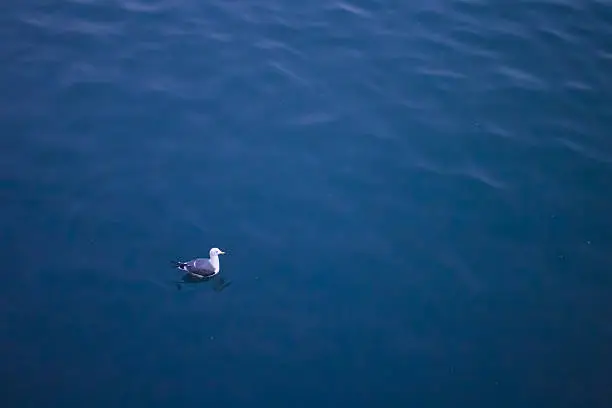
(414, 199)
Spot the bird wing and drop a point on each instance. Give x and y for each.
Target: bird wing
(200, 266)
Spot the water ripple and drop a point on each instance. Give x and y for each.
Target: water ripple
(420, 141)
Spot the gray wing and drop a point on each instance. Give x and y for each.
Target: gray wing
(200, 266)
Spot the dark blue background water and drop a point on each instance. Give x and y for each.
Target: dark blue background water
(415, 199)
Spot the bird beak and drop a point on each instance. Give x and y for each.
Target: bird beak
(221, 252)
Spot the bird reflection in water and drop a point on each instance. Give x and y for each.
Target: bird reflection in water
(218, 283)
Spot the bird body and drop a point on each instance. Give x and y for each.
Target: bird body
(203, 267)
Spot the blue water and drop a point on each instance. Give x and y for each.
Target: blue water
(414, 198)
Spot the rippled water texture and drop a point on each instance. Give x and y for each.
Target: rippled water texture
(414, 197)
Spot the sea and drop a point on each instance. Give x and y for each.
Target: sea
(414, 198)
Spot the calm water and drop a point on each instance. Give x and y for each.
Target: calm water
(414, 197)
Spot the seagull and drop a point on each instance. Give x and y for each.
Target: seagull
(202, 268)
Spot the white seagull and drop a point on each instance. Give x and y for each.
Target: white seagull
(202, 268)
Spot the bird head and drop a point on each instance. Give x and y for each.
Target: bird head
(216, 252)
